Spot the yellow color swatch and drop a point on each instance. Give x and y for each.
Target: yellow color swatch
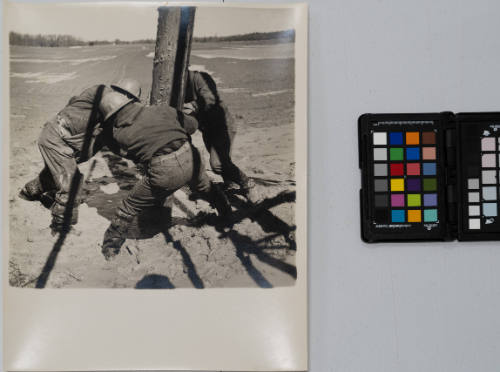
(397, 184)
(414, 215)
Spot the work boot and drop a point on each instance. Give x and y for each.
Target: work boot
(249, 190)
(115, 236)
(63, 216)
(219, 201)
(32, 190)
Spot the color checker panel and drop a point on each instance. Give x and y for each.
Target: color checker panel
(405, 175)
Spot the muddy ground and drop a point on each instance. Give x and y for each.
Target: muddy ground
(189, 250)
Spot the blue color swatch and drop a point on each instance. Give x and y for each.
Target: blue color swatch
(396, 138)
(413, 153)
(398, 215)
(429, 169)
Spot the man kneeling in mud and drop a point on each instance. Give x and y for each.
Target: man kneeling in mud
(61, 145)
(157, 138)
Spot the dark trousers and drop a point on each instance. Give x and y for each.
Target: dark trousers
(218, 137)
(164, 175)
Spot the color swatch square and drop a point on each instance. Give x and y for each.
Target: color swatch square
(474, 223)
(397, 184)
(413, 184)
(490, 209)
(413, 169)
(473, 197)
(413, 200)
(380, 138)
(489, 177)
(429, 169)
(430, 215)
(397, 169)
(474, 210)
(398, 215)
(412, 138)
(381, 200)
(381, 185)
(396, 154)
(428, 153)
(380, 170)
(430, 184)
(396, 138)
(412, 153)
(382, 215)
(414, 215)
(430, 200)
(380, 154)
(428, 138)
(397, 200)
(473, 183)
(490, 193)
(488, 144)
(489, 161)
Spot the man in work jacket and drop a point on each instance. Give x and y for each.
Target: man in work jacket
(218, 128)
(61, 146)
(158, 138)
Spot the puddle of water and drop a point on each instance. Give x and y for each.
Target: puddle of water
(42, 77)
(72, 62)
(25, 75)
(233, 90)
(250, 52)
(271, 93)
(109, 189)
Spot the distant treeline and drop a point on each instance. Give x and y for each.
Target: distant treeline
(63, 40)
(68, 40)
(44, 40)
(283, 36)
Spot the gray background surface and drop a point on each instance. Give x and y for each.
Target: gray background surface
(395, 307)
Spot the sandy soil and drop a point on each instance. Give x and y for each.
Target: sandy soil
(188, 251)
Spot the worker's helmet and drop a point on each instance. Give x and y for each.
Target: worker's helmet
(111, 102)
(128, 86)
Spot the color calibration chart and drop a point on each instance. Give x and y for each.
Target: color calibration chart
(405, 177)
(483, 192)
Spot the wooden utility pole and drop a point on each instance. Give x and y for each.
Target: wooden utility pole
(173, 47)
(170, 68)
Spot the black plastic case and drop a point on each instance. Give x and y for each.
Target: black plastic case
(458, 148)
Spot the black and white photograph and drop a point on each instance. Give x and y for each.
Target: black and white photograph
(153, 151)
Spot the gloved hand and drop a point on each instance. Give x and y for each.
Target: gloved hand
(190, 108)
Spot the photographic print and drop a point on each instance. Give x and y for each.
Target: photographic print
(151, 147)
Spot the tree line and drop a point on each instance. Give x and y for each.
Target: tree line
(282, 36)
(40, 40)
(44, 40)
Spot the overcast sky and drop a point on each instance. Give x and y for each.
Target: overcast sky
(138, 21)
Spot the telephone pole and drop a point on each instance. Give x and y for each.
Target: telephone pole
(173, 47)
